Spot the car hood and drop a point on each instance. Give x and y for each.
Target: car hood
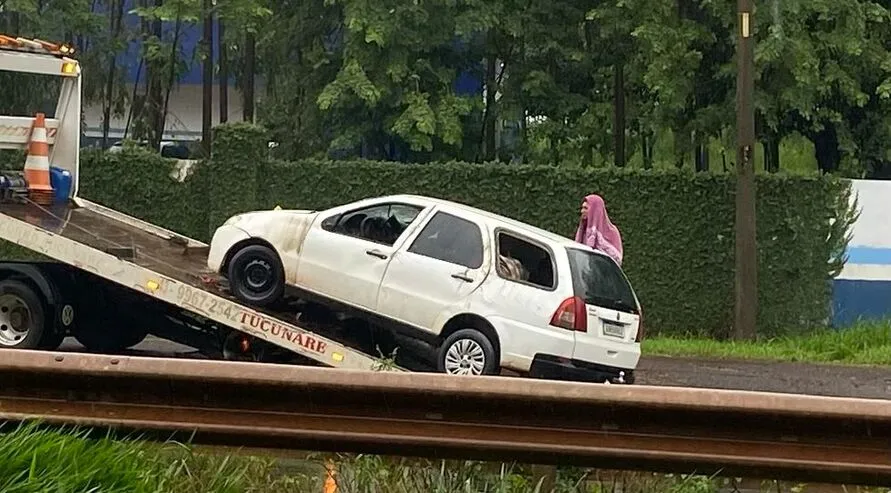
(271, 215)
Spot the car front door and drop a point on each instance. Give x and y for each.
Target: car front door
(345, 254)
(445, 262)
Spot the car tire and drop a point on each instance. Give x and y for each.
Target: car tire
(22, 316)
(458, 353)
(256, 275)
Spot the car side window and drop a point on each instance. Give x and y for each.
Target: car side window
(450, 239)
(380, 223)
(524, 261)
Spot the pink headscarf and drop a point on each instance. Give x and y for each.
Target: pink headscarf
(597, 231)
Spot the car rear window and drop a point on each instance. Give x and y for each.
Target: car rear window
(599, 281)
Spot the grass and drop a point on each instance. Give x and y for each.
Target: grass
(41, 460)
(864, 344)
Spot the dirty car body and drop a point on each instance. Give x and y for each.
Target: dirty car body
(484, 291)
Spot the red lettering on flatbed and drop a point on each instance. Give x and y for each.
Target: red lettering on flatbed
(279, 331)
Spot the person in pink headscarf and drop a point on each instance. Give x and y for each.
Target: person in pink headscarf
(597, 231)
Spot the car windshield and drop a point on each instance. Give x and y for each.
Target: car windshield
(599, 281)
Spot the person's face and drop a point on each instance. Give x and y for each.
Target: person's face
(584, 209)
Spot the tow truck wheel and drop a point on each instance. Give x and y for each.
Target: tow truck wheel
(101, 338)
(256, 275)
(22, 319)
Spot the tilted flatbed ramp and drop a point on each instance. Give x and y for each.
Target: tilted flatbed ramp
(161, 264)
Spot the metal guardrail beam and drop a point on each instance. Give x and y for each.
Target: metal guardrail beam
(734, 433)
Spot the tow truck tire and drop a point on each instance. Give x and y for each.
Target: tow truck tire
(51, 341)
(256, 275)
(22, 316)
(123, 335)
(464, 348)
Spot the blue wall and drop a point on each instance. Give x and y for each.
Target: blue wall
(190, 36)
(856, 300)
(863, 289)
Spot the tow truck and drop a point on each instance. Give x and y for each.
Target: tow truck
(111, 279)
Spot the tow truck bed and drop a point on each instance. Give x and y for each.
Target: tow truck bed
(159, 263)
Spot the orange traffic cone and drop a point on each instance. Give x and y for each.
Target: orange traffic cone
(330, 484)
(37, 167)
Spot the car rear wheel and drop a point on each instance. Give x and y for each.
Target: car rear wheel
(467, 352)
(256, 275)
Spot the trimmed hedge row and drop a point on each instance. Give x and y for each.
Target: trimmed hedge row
(677, 226)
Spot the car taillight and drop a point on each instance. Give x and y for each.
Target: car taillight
(571, 314)
(640, 328)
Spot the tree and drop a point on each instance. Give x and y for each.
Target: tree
(396, 77)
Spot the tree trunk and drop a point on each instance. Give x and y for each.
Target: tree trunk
(207, 78)
(249, 61)
(646, 146)
(156, 120)
(701, 153)
(171, 77)
(116, 14)
(489, 118)
(619, 114)
(224, 72)
(826, 149)
(772, 154)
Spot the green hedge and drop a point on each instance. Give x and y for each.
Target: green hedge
(677, 226)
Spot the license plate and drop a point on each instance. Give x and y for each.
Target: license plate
(613, 330)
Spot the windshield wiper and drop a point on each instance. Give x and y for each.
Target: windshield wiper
(614, 303)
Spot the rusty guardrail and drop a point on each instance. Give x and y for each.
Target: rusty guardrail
(753, 434)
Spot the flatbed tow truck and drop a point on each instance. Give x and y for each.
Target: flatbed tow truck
(114, 278)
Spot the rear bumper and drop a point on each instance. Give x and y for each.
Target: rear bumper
(557, 368)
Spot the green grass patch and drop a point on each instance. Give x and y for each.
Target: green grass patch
(864, 344)
(37, 459)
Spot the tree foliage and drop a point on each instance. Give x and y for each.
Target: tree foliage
(561, 82)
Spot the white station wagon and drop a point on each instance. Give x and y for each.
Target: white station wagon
(487, 292)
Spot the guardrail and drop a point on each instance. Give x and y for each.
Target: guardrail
(734, 433)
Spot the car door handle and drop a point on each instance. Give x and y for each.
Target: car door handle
(462, 277)
(376, 253)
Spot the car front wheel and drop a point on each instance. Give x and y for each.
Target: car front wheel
(467, 352)
(256, 275)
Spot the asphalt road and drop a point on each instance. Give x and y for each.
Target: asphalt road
(799, 378)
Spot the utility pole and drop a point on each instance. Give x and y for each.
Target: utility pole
(207, 77)
(746, 303)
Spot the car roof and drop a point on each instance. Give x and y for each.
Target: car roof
(521, 227)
